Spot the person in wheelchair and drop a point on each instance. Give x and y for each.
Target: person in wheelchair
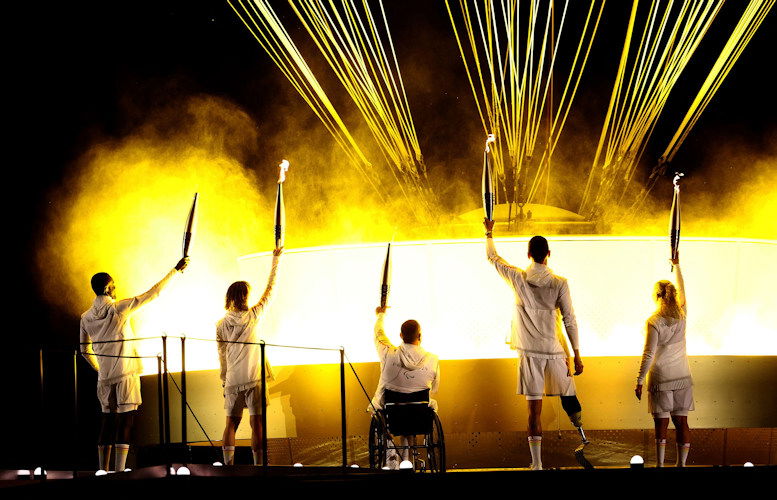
(408, 374)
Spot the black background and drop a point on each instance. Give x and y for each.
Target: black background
(79, 72)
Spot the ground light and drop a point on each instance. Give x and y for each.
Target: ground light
(637, 462)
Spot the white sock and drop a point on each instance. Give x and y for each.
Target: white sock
(121, 456)
(104, 456)
(257, 457)
(660, 452)
(535, 447)
(403, 441)
(682, 453)
(229, 454)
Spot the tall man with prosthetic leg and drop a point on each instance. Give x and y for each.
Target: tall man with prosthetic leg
(543, 358)
(240, 359)
(106, 343)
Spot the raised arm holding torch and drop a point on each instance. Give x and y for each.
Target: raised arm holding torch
(280, 211)
(674, 221)
(488, 183)
(385, 284)
(189, 231)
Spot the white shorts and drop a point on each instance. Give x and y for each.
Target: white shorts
(121, 397)
(540, 376)
(249, 398)
(663, 404)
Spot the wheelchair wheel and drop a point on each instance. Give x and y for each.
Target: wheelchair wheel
(435, 447)
(377, 442)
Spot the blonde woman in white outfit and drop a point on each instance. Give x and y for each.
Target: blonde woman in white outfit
(665, 366)
(239, 358)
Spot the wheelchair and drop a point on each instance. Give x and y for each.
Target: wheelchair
(408, 415)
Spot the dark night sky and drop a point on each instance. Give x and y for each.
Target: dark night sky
(85, 71)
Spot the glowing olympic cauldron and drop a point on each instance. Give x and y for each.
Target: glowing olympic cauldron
(326, 296)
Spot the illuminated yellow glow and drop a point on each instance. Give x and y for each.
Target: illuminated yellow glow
(326, 295)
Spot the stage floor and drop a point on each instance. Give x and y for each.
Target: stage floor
(205, 479)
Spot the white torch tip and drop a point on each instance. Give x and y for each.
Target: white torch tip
(491, 138)
(676, 179)
(283, 166)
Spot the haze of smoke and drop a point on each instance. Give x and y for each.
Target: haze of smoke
(123, 207)
(734, 195)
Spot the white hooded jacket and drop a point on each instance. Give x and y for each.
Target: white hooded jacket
(407, 368)
(541, 300)
(240, 362)
(108, 320)
(664, 359)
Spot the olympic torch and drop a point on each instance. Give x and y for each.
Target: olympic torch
(280, 210)
(385, 284)
(674, 220)
(488, 184)
(189, 231)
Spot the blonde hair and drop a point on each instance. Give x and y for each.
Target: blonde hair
(665, 295)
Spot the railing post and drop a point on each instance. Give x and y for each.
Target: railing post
(165, 389)
(262, 347)
(184, 439)
(343, 426)
(160, 400)
(43, 444)
(76, 434)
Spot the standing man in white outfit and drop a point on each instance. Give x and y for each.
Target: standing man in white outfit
(407, 373)
(106, 343)
(543, 368)
(665, 366)
(239, 358)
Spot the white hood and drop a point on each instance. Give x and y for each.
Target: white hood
(412, 357)
(539, 275)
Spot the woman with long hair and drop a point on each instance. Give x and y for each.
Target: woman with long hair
(665, 366)
(239, 357)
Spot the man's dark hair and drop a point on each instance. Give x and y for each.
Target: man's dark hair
(99, 282)
(538, 248)
(411, 331)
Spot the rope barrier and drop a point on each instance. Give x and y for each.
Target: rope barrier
(120, 340)
(188, 405)
(116, 356)
(369, 399)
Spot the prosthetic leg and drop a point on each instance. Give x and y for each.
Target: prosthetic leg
(573, 409)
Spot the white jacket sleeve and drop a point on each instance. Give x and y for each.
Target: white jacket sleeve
(505, 270)
(222, 349)
(86, 349)
(678, 274)
(127, 306)
(382, 343)
(436, 381)
(259, 307)
(568, 313)
(651, 344)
